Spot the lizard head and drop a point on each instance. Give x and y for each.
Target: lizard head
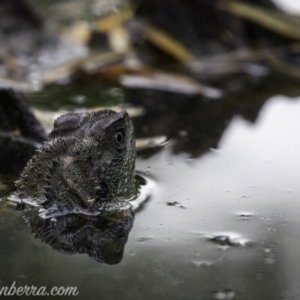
(88, 160)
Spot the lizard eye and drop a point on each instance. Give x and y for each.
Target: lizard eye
(119, 139)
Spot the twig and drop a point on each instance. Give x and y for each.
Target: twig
(276, 21)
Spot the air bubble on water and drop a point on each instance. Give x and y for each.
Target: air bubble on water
(269, 260)
(202, 263)
(224, 294)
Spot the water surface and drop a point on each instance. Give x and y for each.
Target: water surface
(223, 225)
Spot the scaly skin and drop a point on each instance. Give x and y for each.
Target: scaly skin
(88, 163)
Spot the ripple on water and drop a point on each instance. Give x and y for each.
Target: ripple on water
(146, 187)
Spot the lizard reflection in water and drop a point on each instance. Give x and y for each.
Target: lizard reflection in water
(101, 237)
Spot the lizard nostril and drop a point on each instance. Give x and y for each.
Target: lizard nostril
(102, 194)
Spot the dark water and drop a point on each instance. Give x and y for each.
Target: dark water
(222, 221)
